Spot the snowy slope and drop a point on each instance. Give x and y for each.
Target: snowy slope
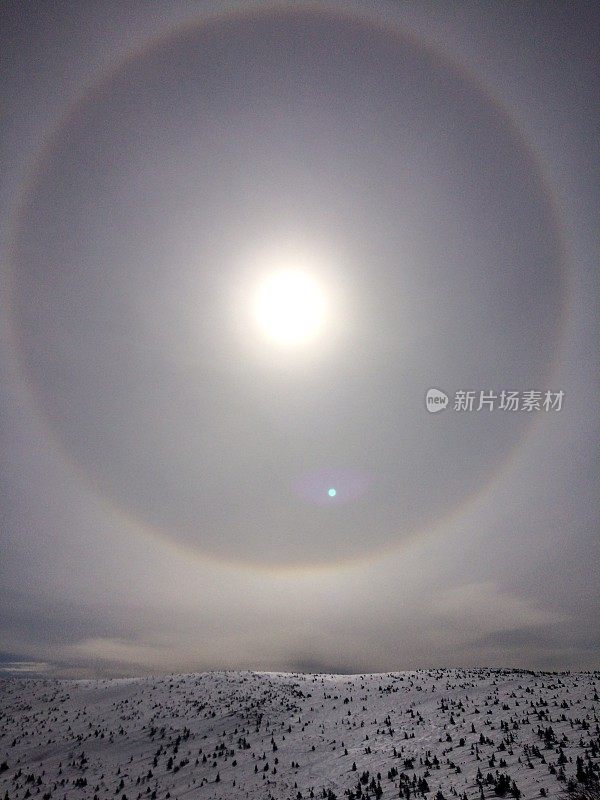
(275, 735)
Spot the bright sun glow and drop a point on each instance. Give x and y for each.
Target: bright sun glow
(290, 307)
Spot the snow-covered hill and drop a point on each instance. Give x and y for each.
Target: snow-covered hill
(288, 736)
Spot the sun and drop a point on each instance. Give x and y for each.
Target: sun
(290, 307)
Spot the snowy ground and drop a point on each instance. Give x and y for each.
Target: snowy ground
(285, 736)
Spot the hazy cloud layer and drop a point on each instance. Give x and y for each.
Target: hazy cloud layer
(164, 476)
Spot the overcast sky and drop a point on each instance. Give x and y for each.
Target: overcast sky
(181, 491)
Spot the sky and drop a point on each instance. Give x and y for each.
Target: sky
(240, 244)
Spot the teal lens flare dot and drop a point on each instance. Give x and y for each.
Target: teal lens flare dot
(332, 493)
